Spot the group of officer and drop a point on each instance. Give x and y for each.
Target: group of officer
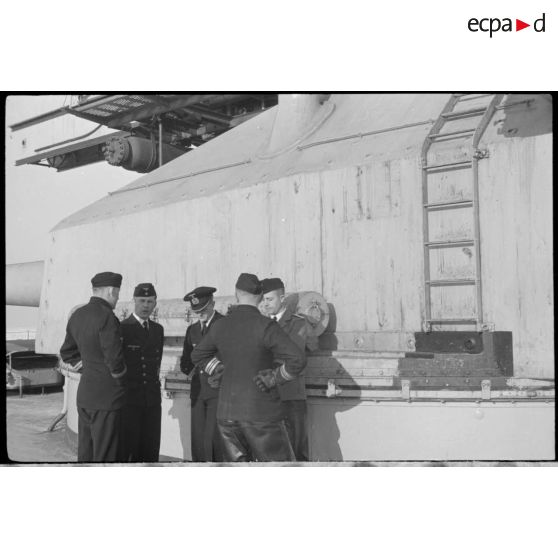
(248, 400)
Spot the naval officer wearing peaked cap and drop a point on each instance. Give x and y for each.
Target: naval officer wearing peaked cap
(293, 394)
(248, 345)
(143, 350)
(204, 389)
(93, 344)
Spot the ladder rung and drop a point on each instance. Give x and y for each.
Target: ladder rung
(463, 113)
(452, 321)
(451, 282)
(450, 243)
(468, 132)
(472, 96)
(448, 165)
(449, 205)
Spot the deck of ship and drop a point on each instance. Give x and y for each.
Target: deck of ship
(27, 421)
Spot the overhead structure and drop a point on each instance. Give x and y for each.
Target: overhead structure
(168, 125)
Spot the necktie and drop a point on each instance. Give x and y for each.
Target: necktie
(145, 326)
(274, 318)
(203, 328)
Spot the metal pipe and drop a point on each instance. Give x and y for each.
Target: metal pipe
(371, 133)
(38, 119)
(295, 115)
(160, 142)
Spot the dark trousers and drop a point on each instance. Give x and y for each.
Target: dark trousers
(295, 421)
(141, 433)
(255, 441)
(206, 440)
(98, 435)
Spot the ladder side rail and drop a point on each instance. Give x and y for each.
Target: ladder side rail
(481, 128)
(449, 106)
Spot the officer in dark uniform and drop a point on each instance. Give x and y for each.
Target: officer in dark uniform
(143, 350)
(94, 344)
(293, 394)
(247, 345)
(204, 390)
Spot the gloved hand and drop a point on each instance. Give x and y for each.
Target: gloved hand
(122, 378)
(214, 380)
(269, 378)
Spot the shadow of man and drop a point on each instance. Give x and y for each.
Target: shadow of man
(331, 390)
(178, 429)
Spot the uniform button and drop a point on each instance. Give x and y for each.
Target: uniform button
(145, 382)
(143, 374)
(142, 358)
(143, 365)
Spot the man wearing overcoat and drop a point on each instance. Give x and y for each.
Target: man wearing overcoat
(93, 344)
(143, 350)
(293, 394)
(246, 347)
(204, 390)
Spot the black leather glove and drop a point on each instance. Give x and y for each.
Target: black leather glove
(269, 378)
(214, 380)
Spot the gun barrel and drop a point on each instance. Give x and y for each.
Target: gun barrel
(23, 283)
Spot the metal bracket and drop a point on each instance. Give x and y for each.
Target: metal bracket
(488, 326)
(406, 389)
(332, 389)
(167, 394)
(485, 389)
(426, 326)
(481, 154)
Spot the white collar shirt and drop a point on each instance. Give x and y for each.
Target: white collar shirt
(279, 315)
(141, 322)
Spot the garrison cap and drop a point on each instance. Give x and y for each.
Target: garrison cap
(249, 283)
(145, 289)
(107, 279)
(200, 297)
(272, 284)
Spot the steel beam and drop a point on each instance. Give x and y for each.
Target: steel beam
(38, 119)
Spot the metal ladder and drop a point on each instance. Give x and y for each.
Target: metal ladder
(474, 128)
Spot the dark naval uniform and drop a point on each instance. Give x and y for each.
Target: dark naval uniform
(206, 441)
(293, 394)
(250, 421)
(141, 417)
(93, 336)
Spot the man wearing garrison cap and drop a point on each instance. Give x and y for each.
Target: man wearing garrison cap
(204, 389)
(250, 346)
(93, 344)
(293, 394)
(143, 350)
